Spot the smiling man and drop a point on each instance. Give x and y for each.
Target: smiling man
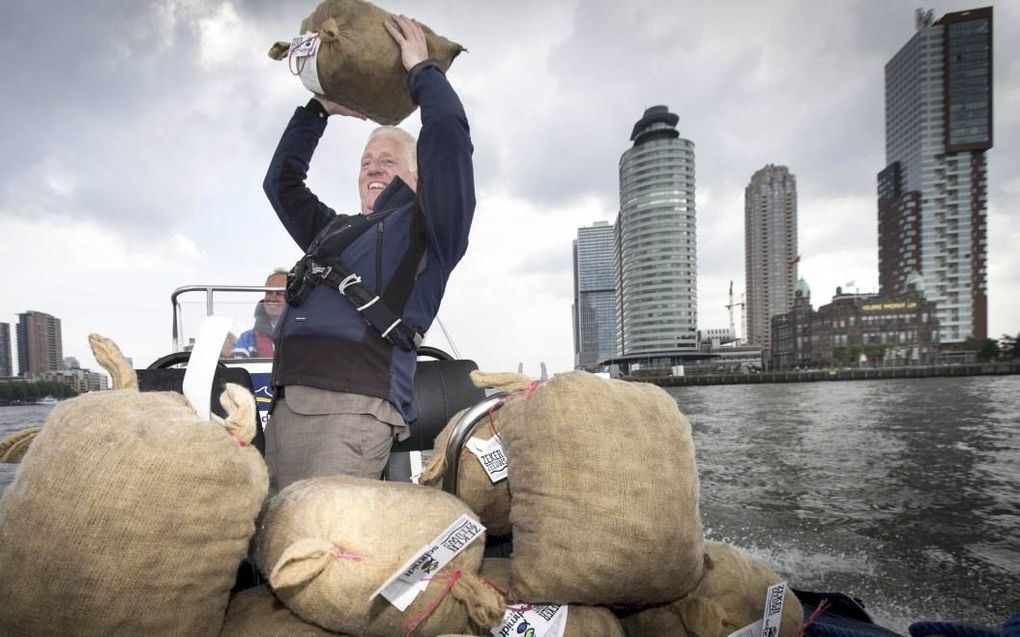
(369, 285)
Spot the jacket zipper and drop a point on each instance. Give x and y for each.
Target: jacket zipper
(378, 258)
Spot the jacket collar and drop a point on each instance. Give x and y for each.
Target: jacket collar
(396, 194)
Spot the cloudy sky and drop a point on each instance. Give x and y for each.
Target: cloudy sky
(136, 136)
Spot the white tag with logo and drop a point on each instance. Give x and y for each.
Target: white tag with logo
(404, 585)
(768, 625)
(491, 456)
(540, 620)
(304, 51)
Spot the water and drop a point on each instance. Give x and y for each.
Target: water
(905, 494)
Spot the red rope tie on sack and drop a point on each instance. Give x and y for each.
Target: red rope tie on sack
(494, 586)
(412, 624)
(535, 384)
(298, 67)
(802, 630)
(344, 555)
(240, 443)
(523, 608)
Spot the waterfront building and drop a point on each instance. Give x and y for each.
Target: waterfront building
(6, 363)
(594, 309)
(884, 330)
(655, 247)
(40, 346)
(770, 249)
(932, 193)
(78, 379)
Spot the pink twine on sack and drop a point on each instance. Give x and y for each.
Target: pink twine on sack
(523, 608)
(812, 618)
(240, 443)
(412, 624)
(494, 586)
(344, 555)
(297, 69)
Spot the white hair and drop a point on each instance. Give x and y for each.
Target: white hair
(404, 138)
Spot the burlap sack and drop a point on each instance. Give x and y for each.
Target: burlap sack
(604, 493)
(582, 621)
(490, 502)
(327, 544)
(129, 516)
(359, 62)
(731, 595)
(256, 612)
(14, 447)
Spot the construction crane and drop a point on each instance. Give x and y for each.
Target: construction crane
(729, 306)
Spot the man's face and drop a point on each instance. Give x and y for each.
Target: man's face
(274, 300)
(384, 158)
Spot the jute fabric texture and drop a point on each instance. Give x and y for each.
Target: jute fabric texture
(129, 515)
(327, 544)
(490, 501)
(582, 621)
(256, 612)
(358, 61)
(730, 596)
(604, 493)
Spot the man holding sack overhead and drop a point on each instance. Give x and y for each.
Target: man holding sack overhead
(370, 284)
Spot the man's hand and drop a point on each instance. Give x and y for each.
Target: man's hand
(333, 108)
(410, 37)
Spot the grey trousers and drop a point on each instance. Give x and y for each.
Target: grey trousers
(314, 432)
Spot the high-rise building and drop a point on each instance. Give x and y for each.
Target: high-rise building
(932, 192)
(655, 247)
(770, 250)
(594, 296)
(6, 365)
(40, 347)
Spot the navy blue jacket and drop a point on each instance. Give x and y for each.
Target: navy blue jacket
(407, 258)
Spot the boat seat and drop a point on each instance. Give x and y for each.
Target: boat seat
(441, 389)
(173, 380)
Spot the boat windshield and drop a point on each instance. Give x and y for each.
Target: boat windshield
(253, 311)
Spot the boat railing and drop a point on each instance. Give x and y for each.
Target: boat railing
(210, 305)
(460, 434)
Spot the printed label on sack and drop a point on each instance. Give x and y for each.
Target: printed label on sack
(768, 625)
(304, 51)
(540, 620)
(412, 577)
(491, 456)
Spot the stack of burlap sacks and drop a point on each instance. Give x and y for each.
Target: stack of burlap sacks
(602, 502)
(129, 515)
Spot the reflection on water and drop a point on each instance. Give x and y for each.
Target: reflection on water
(905, 494)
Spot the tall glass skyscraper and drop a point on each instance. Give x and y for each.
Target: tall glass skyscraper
(594, 296)
(5, 350)
(932, 193)
(770, 249)
(655, 241)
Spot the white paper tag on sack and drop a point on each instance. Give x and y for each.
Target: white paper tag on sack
(404, 585)
(490, 455)
(768, 625)
(205, 355)
(304, 53)
(540, 620)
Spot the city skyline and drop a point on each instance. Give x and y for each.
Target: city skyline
(149, 177)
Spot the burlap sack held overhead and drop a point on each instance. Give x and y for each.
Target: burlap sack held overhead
(129, 515)
(328, 543)
(730, 596)
(358, 61)
(256, 612)
(604, 493)
(582, 621)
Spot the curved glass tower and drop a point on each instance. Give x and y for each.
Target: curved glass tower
(655, 244)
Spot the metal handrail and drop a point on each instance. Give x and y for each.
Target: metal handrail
(460, 434)
(208, 289)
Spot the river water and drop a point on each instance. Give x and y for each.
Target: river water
(905, 494)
